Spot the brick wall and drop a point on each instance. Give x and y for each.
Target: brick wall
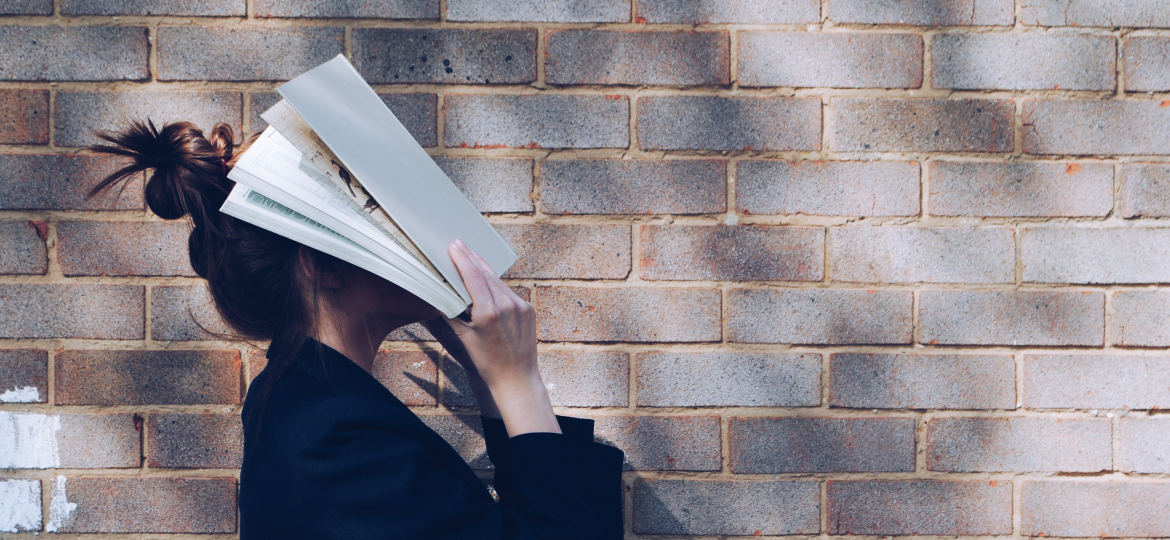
(839, 267)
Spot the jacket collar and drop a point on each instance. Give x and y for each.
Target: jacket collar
(318, 360)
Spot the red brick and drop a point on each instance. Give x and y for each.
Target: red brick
(492, 185)
(1096, 127)
(920, 507)
(412, 376)
(828, 188)
(586, 378)
(212, 8)
(819, 445)
(921, 125)
(24, 116)
(22, 248)
(923, 255)
(1147, 64)
(549, 251)
(1020, 189)
(750, 253)
(465, 434)
(728, 379)
(24, 376)
(622, 57)
(924, 13)
(1024, 62)
(23, 513)
(664, 443)
(536, 121)
(1145, 190)
(1107, 13)
(729, 123)
(82, 311)
(730, 11)
(1019, 444)
(818, 316)
(27, 7)
(565, 11)
(1097, 508)
(208, 53)
(146, 377)
(834, 60)
(445, 56)
(635, 186)
(1096, 381)
(182, 313)
(194, 441)
(59, 182)
(1014, 318)
(73, 53)
(1139, 319)
(1145, 445)
(1078, 255)
(913, 381)
(627, 314)
(379, 9)
(705, 507)
(116, 505)
(123, 248)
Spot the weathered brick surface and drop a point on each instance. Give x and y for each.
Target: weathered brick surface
(729, 123)
(586, 379)
(1075, 127)
(187, 53)
(1015, 318)
(920, 507)
(492, 185)
(836, 60)
(829, 188)
(537, 121)
(59, 182)
(24, 502)
(703, 507)
(920, 125)
(643, 186)
(1147, 64)
(123, 248)
(84, 377)
(1019, 444)
(1145, 190)
(176, 505)
(821, 445)
(729, 11)
(633, 58)
(627, 314)
(90, 441)
(1139, 319)
(663, 443)
(923, 255)
(1145, 445)
(73, 53)
(732, 379)
(377, 9)
(755, 253)
(820, 317)
(24, 116)
(913, 381)
(1024, 62)
(1096, 382)
(27, 7)
(1020, 189)
(86, 311)
(22, 248)
(194, 441)
(24, 376)
(566, 11)
(458, 56)
(78, 113)
(1097, 508)
(181, 313)
(465, 434)
(1107, 13)
(212, 8)
(1077, 255)
(412, 376)
(568, 251)
(927, 13)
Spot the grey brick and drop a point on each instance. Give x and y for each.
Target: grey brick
(1147, 64)
(492, 184)
(828, 188)
(1095, 508)
(729, 11)
(1139, 319)
(77, 113)
(22, 370)
(22, 249)
(751, 253)
(912, 381)
(73, 53)
(818, 316)
(92, 441)
(923, 255)
(82, 311)
(1020, 189)
(819, 445)
(176, 505)
(1131, 127)
(185, 313)
(24, 116)
(706, 507)
(728, 379)
(921, 125)
(664, 443)
(729, 123)
(551, 251)
(1145, 445)
(355, 9)
(1014, 318)
(1096, 381)
(412, 376)
(924, 12)
(562, 11)
(634, 186)
(27, 7)
(622, 57)
(1145, 190)
(1024, 62)
(1108, 13)
(210, 8)
(920, 507)
(835, 60)
(200, 53)
(1114, 255)
(259, 103)
(627, 314)
(1019, 444)
(537, 121)
(586, 378)
(123, 248)
(195, 441)
(451, 55)
(59, 182)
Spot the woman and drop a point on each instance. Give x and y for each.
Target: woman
(328, 451)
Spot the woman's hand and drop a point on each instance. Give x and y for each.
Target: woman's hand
(442, 331)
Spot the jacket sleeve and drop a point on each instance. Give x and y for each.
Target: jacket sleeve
(364, 476)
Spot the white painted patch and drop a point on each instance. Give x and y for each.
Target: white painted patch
(28, 394)
(20, 505)
(59, 505)
(29, 440)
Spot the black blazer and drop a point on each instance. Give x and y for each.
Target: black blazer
(339, 457)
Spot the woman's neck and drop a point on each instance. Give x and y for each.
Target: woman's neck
(357, 338)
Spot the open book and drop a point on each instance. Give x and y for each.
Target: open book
(336, 171)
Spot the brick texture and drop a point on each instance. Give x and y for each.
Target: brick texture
(920, 507)
(1139, 319)
(60, 181)
(1094, 508)
(87, 311)
(141, 377)
(920, 125)
(1019, 444)
(820, 445)
(1120, 255)
(455, 56)
(927, 13)
(725, 507)
(179, 313)
(1105, 13)
(1145, 445)
(1147, 64)
(568, 251)
(537, 121)
(564, 11)
(27, 7)
(586, 379)
(912, 381)
(24, 116)
(22, 248)
(820, 317)
(733, 123)
(1090, 382)
(1012, 318)
(714, 379)
(732, 253)
(73, 53)
(634, 58)
(492, 185)
(177, 505)
(20, 370)
(613, 186)
(188, 53)
(378, 9)
(1035, 189)
(1096, 127)
(1145, 190)
(78, 113)
(729, 11)
(412, 376)
(123, 248)
(926, 255)
(828, 188)
(664, 443)
(1024, 62)
(807, 59)
(194, 441)
(213, 8)
(627, 314)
